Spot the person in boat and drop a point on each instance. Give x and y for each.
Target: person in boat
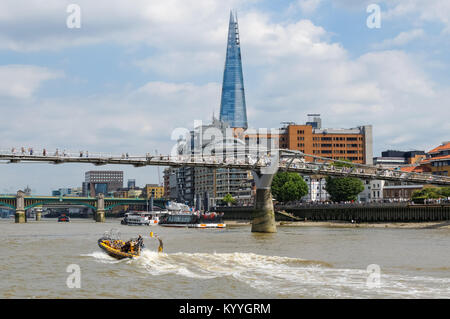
(140, 242)
(126, 247)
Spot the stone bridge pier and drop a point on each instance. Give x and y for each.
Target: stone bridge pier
(263, 217)
(20, 216)
(99, 215)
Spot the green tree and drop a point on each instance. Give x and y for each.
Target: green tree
(288, 186)
(445, 191)
(228, 199)
(430, 193)
(343, 189)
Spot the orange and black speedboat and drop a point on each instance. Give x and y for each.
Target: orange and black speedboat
(120, 249)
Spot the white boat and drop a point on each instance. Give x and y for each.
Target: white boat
(142, 218)
(174, 207)
(192, 220)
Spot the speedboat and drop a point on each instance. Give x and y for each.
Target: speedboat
(141, 218)
(119, 249)
(192, 220)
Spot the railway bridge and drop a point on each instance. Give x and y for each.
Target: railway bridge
(20, 203)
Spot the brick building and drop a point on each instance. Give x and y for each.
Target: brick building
(353, 144)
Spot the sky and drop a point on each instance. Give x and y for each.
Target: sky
(135, 70)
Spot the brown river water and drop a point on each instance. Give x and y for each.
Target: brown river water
(37, 260)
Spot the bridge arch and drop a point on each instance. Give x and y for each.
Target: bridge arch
(7, 205)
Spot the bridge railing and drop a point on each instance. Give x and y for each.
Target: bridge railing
(289, 160)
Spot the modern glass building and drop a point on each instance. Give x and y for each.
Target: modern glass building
(232, 105)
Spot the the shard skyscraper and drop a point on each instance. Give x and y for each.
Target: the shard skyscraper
(232, 105)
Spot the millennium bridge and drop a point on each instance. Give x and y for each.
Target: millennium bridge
(263, 167)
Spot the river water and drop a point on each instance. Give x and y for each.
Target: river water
(295, 262)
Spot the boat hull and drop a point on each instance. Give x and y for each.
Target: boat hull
(105, 244)
(195, 225)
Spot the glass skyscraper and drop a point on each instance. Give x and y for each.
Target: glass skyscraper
(232, 105)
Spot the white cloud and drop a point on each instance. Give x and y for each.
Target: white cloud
(26, 25)
(401, 39)
(308, 6)
(423, 11)
(134, 120)
(21, 81)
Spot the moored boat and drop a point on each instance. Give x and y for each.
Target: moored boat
(192, 220)
(141, 218)
(63, 218)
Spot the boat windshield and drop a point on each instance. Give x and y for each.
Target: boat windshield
(112, 234)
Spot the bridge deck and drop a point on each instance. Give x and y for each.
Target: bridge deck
(288, 161)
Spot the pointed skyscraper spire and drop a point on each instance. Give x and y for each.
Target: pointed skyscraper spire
(232, 105)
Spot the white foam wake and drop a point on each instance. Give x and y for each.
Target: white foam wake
(284, 276)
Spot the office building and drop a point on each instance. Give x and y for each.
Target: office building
(153, 190)
(232, 104)
(104, 182)
(438, 159)
(72, 192)
(394, 159)
(353, 144)
(131, 183)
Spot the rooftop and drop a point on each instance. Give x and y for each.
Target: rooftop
(444, 146)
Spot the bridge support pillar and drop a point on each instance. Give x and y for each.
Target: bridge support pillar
(99, 215)
(20, 216)
(263, 217)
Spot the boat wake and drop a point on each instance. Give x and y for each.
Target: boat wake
(284, 277)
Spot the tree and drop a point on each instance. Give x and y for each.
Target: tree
(288, 186)
(445, 191)
(342, 189)
(228, 199)
(430, 193)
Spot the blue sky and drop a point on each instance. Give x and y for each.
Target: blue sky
(136, 70)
